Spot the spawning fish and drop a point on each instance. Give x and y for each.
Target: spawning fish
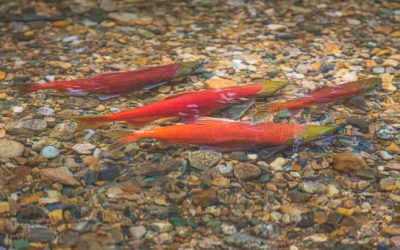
(115, 83)
(187, 106)
(327, 95)
(224, 135)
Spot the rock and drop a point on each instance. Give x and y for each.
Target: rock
(362, 124)
(303, 68)
(393, 148)
(2, 75)
(276, 27)
(305, 223)
(378, 70)
(84, 148)
(228, 229)
(267, 230)
(160, 168)
(10, 149)
(28, 127)
(391, 63)
(45, 111)
(8, 226)
(161, 227)
(225, 169)
(38, 233)
(59, 64)
(278, 163)
(348, 162)
(217, 83)
(108, 173)
(137, 232)
(82, 102)
(59, 175)
(108, 5)
(50, 152)
(31, 213)
(386, 132)
(312, 187)
(204, 198)
(68, 238)
(396, 241)
(248, 242)
(221, 182)
(299, 197)
(4, 207)
(388, 184)
(124, 18)
(387, 82)
(204, 159)
(385, 155)
(63, 130)
(392, 230)
(246, 171)
(238, 156)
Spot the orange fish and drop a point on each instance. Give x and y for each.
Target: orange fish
(327, 95)
(111, 84)
(187, 106)
(224, 135)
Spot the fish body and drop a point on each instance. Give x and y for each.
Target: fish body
(115, 83)
(188, 105)
(327, 95)
(230, 135)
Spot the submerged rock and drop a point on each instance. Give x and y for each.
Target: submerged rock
(10, 149)
(348, 162)
(204, 159)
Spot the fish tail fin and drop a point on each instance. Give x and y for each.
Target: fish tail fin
(20, 89)
(92, 121)
(125, 140)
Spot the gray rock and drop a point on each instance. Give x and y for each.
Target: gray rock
(10, 149)
(238, 156)
(49, 152)
(45, 111)
(299, 196)
(38, 233)
(63, 130)
(204, 159)
(246, 171)
(68, 238)
(267, 230)
(28, 127)
(108, 5)
(160, 168)
(246, 241)
(124, 18)
(378, 70)
(312, 187)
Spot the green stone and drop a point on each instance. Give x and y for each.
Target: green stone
(20, 244)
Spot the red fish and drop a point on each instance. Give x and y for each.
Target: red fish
(327, 95)
(188, 106)
(227, 135)
(115, 83)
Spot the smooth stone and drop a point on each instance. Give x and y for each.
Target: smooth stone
(278, 163)
(84, 148)
(159, 168)
(247, 242)
(267, 230)
(28, 126)
(49, 152)
(63, 130)
(238, 156)
(361, 123)
(137, 232)
(299, 197)
(386, 132)
(385, 155)
(378, 70)
(312, 187)
(124, 18)
(109, 173)
(162, 227)
(68, 238)
(349, 162)
(204, 198)
(204, 159)
(388, 184)
(38, 233)
(45, 111)
(10, 149)
(59, 175)
(246, 171)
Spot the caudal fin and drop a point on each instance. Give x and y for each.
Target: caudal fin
(92, 121)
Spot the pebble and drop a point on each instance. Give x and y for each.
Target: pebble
(204, 198)
(246, 171)
(386, 132)
(390, 62)
(225, 169)
(348, 162)
(59, 175)
(84, 148)
(312, 187)
(228, 229)
(276, 27)
(388, 184)
(63, 130)
(10, 149)
(108, 5)
(204, 159)
(38, 233)
(45, 111)
(267, 230)
(50, 152)
(124, 18)
(385, 155)
(248, 242)
(28, 127)
(221, 182)
(278, 163)
(2, 75)
(4, 207)
(378, 70)
(138, 231)
(362, 123)
(161, 227)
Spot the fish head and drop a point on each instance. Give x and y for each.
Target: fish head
(187, 68)
(371, 83)
(270, 87)
(313, 132)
